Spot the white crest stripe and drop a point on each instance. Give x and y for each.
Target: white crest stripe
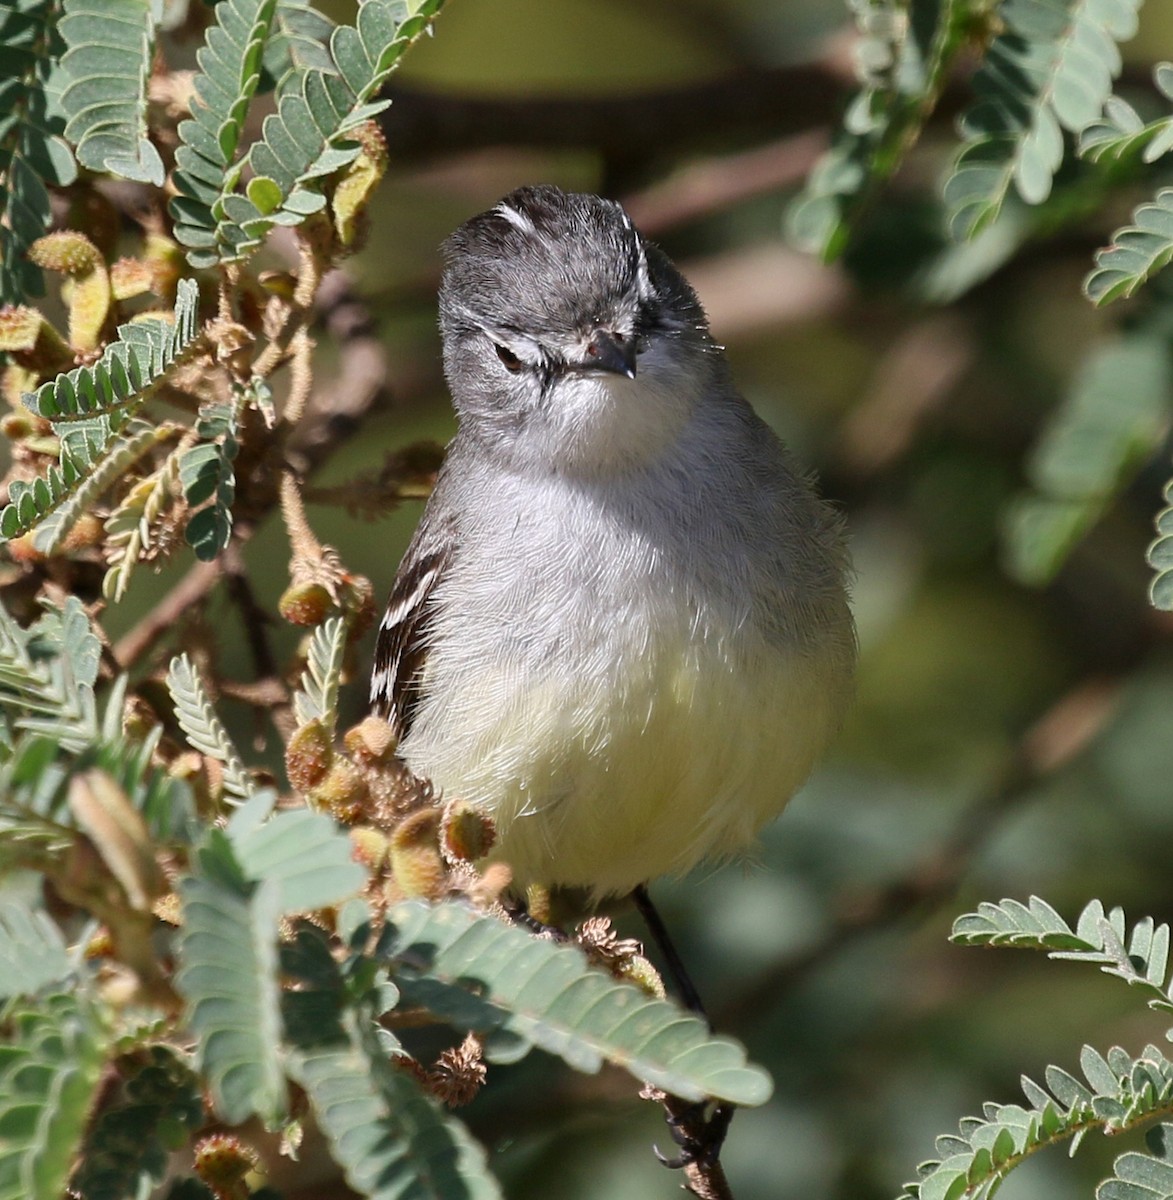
(516, 219)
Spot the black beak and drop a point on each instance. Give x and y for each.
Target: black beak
(610, 352)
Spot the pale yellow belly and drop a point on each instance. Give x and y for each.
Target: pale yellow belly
(607, 784)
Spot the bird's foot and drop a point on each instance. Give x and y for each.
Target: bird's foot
(520, 915)
(699, 1134)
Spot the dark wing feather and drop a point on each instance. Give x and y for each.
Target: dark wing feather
(402, 644)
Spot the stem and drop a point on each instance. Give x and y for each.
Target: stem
(301, 537)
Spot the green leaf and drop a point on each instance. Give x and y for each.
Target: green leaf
(103, 470)
(32, 151)
(1099, 938)
(1136, 253)
(1160, 556)
(228, 977)
(482, 974)
(1120, 134)
(48, 671)
(308, 137)
(1109, 424)
(32, 951)
(1138, 1177)
(903, 56)
(1049, 69)
(299, 42)
(129, 528)
(107, 68)
(317, 697)
(90, 407)
(391, 1141)
(302, 852)
(206, 474)
(50, 1066)
(203, 728)
(230, 64)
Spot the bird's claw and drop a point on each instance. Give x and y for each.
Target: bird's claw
(700, 1138)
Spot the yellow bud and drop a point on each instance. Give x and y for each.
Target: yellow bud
(469, 832)
(87, 531)
(33, 342)
(371, 846)
(130, 277)
(639, 970)
(372, 741)
(309, 755)
(87, 291)
(305, 604)
(416, 864)
(343, 792)
(67, 252)
(357, 184)
(165, 259)
(22, 550)
(222, 1160)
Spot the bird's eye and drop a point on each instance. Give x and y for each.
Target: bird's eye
(510, 360)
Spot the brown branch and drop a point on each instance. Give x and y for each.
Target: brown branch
(693, 1125)
(193, 588)
(332, 416)
(709, 185)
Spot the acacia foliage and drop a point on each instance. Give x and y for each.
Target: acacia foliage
(1119, 1091)
(266, 935)
(1043, 143)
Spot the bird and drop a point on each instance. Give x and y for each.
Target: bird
(622, 627)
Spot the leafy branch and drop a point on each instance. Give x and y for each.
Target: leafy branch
(90, 408)
(203, 728)
(1119, 1091)
(1050, 69)
(308, 138)
(106, 68)
(32, 152)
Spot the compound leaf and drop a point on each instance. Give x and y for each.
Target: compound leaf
(32, 951)
(1049, 69)
(107, 67)
(203, 728)
(391, 1141)
(482, 974)
(50, 1066)
(228, 976)
(32, 151)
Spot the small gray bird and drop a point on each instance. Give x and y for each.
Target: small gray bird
(622, 625)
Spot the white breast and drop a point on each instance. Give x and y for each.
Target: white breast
(607, 695)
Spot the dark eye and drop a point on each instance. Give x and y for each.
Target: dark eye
(510, 360)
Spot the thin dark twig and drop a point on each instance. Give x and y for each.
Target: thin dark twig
(699, 1133)
(676, 968)
(256, 620)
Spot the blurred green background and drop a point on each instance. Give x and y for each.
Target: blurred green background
(1006, 740)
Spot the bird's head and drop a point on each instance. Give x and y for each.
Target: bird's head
(568, 340)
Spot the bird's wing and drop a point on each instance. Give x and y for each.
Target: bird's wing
(402, 646)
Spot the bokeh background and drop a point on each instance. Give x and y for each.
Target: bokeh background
(1006, 740)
